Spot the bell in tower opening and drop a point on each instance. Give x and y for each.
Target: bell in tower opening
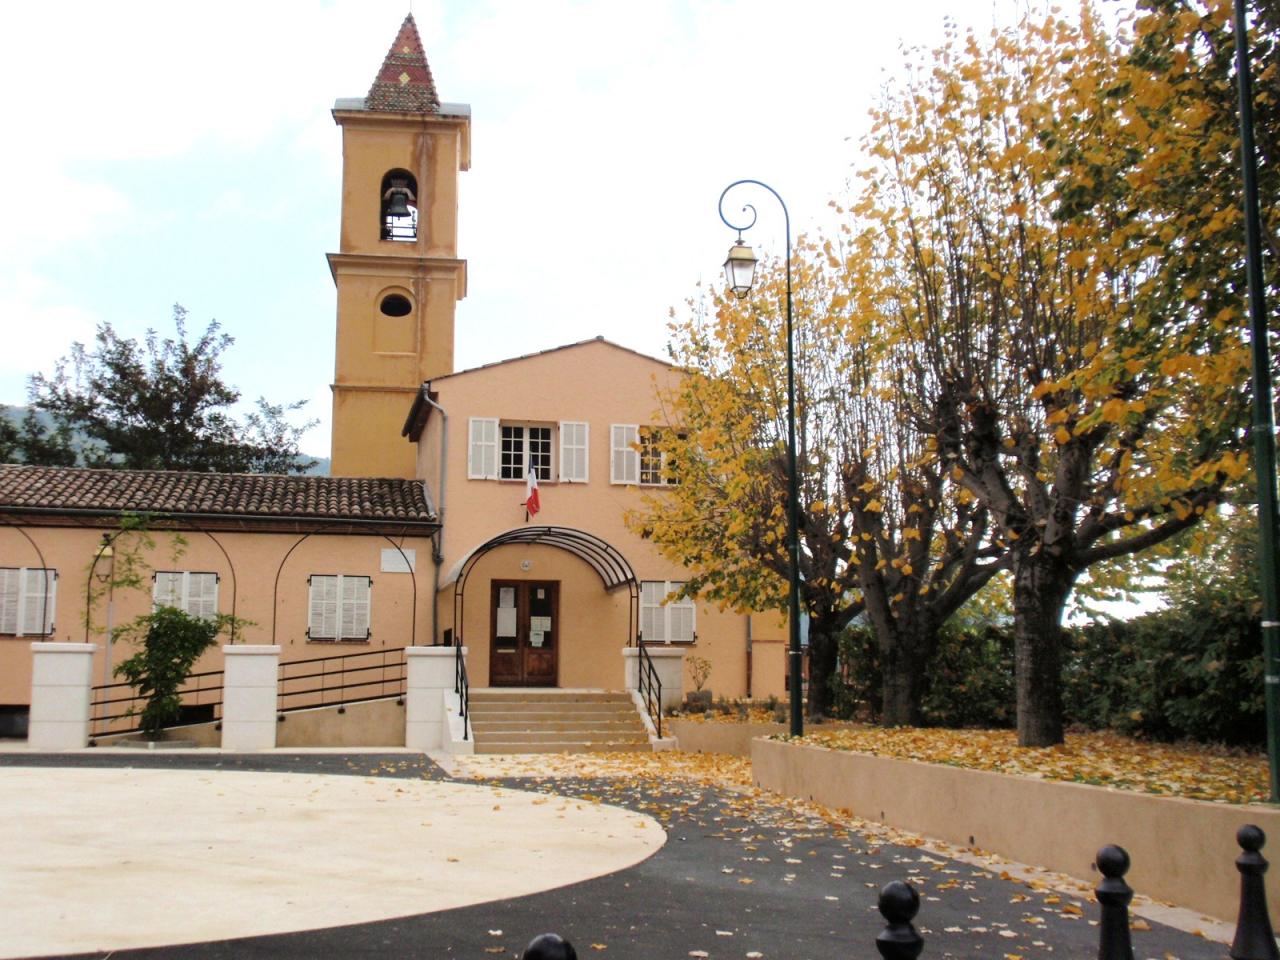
(399, 206)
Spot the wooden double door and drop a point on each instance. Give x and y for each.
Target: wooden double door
(524, 633)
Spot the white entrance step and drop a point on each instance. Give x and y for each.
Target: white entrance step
(549, 720)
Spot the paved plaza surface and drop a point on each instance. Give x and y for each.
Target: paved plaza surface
(631, 867)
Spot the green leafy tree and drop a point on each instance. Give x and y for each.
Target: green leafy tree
(171, 641)
(162, 405)
(31, 440)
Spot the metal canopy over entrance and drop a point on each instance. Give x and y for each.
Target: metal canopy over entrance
(611, 566)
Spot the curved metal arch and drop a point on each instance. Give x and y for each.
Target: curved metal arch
(413, 582)
(608, 563)
(275, 590)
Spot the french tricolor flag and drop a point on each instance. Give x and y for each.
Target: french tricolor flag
(531, 504)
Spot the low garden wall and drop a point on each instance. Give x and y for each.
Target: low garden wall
(709, 736)
(1183, 851)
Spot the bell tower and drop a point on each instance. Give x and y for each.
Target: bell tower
(397, 270)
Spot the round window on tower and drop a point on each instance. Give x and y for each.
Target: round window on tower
(395, 305)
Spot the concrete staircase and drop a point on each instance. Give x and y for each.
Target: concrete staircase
(525, 720)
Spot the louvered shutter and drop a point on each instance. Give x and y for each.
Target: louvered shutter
(36, 602)
(322, 617)
(482, 450)
(355, 608)
(624, 458)
(652, 627)
(167, 590)
(202, 595)
(573, 452)
(681, 614)
(9, 578)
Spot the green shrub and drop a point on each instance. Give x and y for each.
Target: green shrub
(970, 679)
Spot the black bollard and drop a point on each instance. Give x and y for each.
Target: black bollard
(1254, 939)
(1114, 895)
(899, 903)
(548, 946)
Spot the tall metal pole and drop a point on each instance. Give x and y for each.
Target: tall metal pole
(795, 656)
(1264, 432)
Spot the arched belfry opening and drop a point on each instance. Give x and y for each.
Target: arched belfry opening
(399, 207)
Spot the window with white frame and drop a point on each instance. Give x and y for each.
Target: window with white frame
(574, 459)
(193, 592)
(665, 618)
(636, 456)
(525, 448)
(508, 450)
(338, 607)
(27, 600)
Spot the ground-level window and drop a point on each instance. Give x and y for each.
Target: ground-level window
(670, 622)
(193, 592)
(27, 598)
(338, 608)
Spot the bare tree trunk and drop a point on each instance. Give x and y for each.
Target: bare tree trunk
(1040, 590)
(903, 689)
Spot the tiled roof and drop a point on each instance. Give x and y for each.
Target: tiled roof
(404, 83)
(69, 490)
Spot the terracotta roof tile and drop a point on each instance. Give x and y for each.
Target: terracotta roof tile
(53, 489)
(404, 84)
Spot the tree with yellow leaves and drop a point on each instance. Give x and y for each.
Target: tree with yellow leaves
(1072, 375)
(878, 534)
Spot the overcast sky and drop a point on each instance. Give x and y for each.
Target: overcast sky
(178, 152)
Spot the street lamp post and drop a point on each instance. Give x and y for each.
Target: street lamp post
(739, 271)
(1264, 442)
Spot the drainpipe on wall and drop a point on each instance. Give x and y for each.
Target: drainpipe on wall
(437, 553)
(748, 656)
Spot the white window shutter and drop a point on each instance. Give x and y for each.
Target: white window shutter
(624, 458)
(482, 449)
(202, 595)
(9, 593)
(322, 618)
(355, 608)
(167, 589)
(35, 601)
(682, 612)
(652, 626)
(573, 451)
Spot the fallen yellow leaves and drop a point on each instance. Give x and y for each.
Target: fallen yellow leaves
(1104, 759)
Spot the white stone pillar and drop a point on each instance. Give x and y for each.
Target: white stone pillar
(61, 679)
(429, 676)
(668, 663)
(251, 673)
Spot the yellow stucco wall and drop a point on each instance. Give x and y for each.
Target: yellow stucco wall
(249, 581)
(381, 359)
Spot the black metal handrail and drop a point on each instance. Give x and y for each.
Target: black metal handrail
(649, 685)
(334, 680)
(104, 699)
(462, 688)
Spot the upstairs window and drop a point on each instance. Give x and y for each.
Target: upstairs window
(195, 593)
(671, 621)
(636, 456)
(399, 207)
(338, 608)
(27, 601)
(505, 450)
(524, 449)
